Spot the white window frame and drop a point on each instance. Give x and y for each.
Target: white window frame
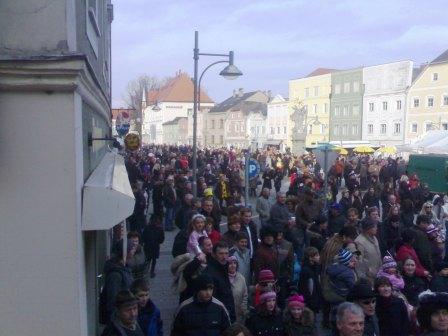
(336, 130)
(435, 76)
(355, 112)
(427, 101)
(316, 91)
(414, 101)
(444, 99)
(399, 104)
(307, 92)
(383, 128)
(355, 129)
(337, 110)
(444, 125)
(337, 89)
(384, 105)
(315, 108)
(397, 128)
(347, 87)
(325, 108)
(370, 128)
(93, 30)
(356, 86)
(411, 127)
(371, 107)
(345, 110)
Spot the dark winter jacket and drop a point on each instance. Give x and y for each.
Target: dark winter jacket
(194, 318)
(117, 278)
(336, 223)
(180, 243)
(251, 231)
(371, 327)
(439, 284)
(223, 288)
(279, 216)
(266, 258)
(169, 197)
(342, 278)
(114, 328)
(306, 328)
(422, 246)
(152, 237)
(392, 316)
(309, 286)
(413, 286)
(268, 325)
(149, 320)
(183, 216)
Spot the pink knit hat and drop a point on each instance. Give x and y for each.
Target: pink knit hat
(266, 275)
(296, 301)
(267, 296)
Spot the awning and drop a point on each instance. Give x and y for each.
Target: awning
(108, 198)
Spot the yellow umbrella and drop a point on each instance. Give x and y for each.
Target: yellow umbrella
(388, 150)
(363, 149)
(341, 150)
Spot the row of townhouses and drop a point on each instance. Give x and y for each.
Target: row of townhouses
(386, 104)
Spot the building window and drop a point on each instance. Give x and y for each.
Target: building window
(414, 128)
(213, 124)
(263, 129)
(316, 91)
(445, 100)
(213, 139)
(371, 107)
(355, 129)
(397, 128)
(345, 111)
(346, 87)
(284, 129)
(383, 128)
(435, 76)
(221, 123)
(315, 108)
(430, 101)
(416, 102)
(310, 129)
(384, 106)
(272, 130)
(444, 126)
(278, 130)
(326, 107)
(355, 110)
(356, 86)
(307, 92)
(336, 130)
(370, 128)
(336, 110)
(428, 126)
(344, 129)
(337, 89)
(221, 139)
(398, 104)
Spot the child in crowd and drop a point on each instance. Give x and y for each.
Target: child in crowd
(389, 270)
(298, 319)
(213, 234)
(242, 254)
(196, 230)
(149, 318)
(440, 282)
(309, 283)
(266, 282)
(341, 275)
(437, 243)
(152, 237)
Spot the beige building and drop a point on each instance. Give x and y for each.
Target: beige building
(427, 99)
(175, 132)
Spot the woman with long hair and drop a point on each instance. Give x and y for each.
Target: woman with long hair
(298, 319)
(267, 318)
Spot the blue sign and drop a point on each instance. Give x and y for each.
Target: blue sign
(254, 168)
(122, 129)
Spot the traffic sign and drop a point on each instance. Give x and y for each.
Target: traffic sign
(123, 123)
(254, 168)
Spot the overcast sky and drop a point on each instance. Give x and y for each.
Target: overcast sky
(274, 40)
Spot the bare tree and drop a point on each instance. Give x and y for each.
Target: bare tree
(134, 90)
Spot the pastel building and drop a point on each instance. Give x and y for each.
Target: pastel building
(346, 105)
(312, 92)
(277, 121)
(427, 99)
(384, 105)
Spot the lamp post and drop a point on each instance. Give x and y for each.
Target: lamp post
(229, 72)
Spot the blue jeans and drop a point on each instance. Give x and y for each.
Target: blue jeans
(169, 218)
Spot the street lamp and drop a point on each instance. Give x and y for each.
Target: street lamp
(229, 72)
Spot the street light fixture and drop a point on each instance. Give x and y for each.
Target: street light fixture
(229, 72)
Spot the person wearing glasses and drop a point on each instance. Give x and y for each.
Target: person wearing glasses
(363, 295)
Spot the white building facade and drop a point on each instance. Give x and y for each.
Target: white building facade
(277, 120)
(384, 102)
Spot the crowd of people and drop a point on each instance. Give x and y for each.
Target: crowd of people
(367, 257)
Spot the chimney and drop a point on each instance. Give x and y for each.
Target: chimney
(240, 92)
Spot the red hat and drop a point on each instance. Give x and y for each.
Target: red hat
(296, 301)
(266, 275)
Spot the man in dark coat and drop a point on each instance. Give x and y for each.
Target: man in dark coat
(250, 229)
(184, 214)
(266, 256)
(279, 216)
(336, 219)
(422, 244)
(169, 201)
(217, 269)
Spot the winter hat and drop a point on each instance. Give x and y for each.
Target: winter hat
(208, 192)
(367, 224)
(203, 281)
(344, 256)
(125, 299)
(266, 275)
(296, 301)
(388, 262)
(267, 296)
(360, 291)
(431, 228)
(232, 258)
(429, 303)
(336, 206)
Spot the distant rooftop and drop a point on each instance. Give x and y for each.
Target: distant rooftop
(442, 58)
(321, 71)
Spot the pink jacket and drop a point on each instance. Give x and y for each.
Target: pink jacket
(193, 244)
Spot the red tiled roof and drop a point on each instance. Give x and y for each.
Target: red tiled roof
(320, 71)
(178, 89)
(117, 111)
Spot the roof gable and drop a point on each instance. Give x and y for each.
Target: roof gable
(177, 89)
(442, 58)
(321, 71)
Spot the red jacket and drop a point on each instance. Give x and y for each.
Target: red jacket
(407, 251)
